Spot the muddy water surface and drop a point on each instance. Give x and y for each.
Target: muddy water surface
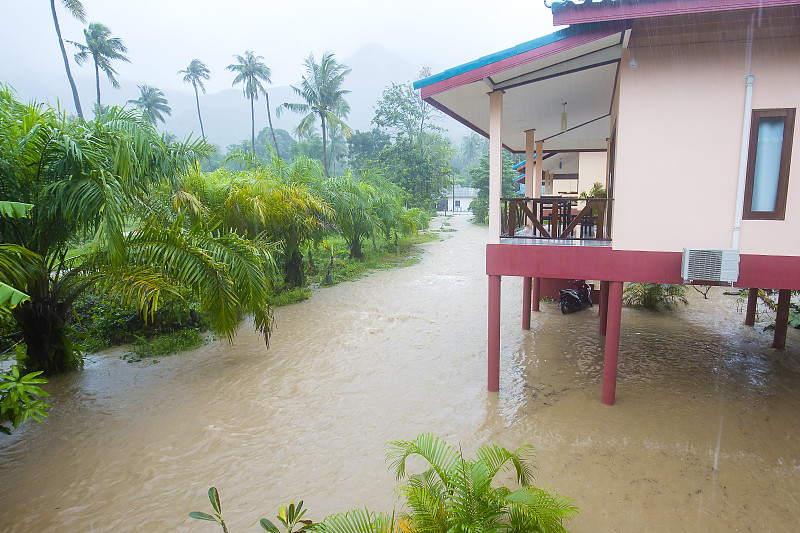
(705, 435)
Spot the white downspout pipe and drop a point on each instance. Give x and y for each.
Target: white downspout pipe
(748, 106)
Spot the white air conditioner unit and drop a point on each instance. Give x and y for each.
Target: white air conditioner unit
(710, 265)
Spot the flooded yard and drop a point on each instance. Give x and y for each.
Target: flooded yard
(705, 434)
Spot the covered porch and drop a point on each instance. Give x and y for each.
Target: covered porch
(551, 99)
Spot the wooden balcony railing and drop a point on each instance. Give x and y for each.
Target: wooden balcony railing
(555, 217)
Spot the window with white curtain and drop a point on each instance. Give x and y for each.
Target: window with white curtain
(770, 152)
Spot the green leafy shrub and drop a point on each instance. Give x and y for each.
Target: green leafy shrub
(167, 343)
(289, 516)
(654, 296)
(17, 398)
(99, 322)
(289, 297)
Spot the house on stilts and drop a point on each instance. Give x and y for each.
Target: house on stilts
(691, 106)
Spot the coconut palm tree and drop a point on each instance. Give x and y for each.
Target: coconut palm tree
(152, 103)
(85, 178)
(102, 48)
(321, 88)
(195, 73)
(250, 72)
(75, 8)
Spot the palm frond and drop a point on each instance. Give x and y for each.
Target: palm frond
(15, 209)
(534, 509)
(358, 521)
(437, 453)
(497, 458)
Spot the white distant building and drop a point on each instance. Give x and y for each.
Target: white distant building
(458, 198)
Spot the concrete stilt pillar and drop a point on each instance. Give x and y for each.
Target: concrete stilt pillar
(781, 319)
(603, 307)
(494, 333)
(752, 302)
(537, 293)
(526, 303)
(614, 318)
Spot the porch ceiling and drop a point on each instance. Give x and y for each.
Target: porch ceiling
(582, 71)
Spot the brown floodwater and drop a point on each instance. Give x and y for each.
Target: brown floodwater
(705, 435)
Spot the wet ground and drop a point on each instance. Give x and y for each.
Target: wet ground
(705, 435)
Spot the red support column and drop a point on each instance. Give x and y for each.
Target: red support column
(781, 319)
(614, 317)
(603, 307)
(526, 303)
(752, 301)
(494, 333)
(537, 293)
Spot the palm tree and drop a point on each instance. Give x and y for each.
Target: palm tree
(321, 88)
(353, 202)
(195, 73)
(278, 199)
(76, 10)
(102, 48)
(456, 495)
(85, 178)
(152, 103)
(250, 72)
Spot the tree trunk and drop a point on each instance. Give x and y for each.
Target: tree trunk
(293, 269)
(49, 348)
(97, 83)
(333, 160)
(252, 126)
(324, 148)
(355, 249)
(269, 116)
(197, 99)
(66, 62)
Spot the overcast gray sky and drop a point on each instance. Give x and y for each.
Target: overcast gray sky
(163, 36)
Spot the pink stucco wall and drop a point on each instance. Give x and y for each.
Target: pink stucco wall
(679, 130)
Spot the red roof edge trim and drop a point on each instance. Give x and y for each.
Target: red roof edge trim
(607, 11)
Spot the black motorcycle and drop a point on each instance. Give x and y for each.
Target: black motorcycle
(576, 298)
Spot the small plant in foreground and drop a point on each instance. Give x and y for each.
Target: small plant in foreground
(17, 403)
(213, 497)
(454, 495)
(289, 516)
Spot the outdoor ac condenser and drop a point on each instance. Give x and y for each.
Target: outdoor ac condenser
(710, 264)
